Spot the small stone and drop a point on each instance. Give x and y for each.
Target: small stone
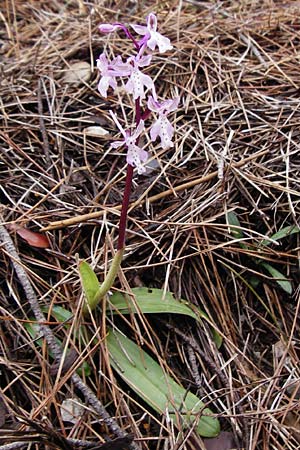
(78, 73)
(95, 131)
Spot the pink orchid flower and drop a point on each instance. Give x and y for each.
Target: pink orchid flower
(152, 37)
(162, 126)
(109, 71)
(138, 80)
(136, 156)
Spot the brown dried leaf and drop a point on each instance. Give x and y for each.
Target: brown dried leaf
(224, 441)
(31, 237)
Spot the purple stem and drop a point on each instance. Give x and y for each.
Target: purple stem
(128, 184)
(129, 35)
(138, 112)
(146, 114)
(124, 210)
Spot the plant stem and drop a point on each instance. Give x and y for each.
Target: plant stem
(124, 210)
(128, 184)
(138, 112)
(107, 283)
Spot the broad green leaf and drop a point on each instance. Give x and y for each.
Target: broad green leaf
(284, 232)
(90, 284)
(156, 301)
(156, 388)
(33, 330)
(152, 301)
(280, 279)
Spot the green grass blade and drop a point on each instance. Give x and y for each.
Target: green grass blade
(234, 224)
(156, 301)
(156, 388)
(283, 233)
(280, 279)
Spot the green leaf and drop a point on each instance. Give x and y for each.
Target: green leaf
(90, 285)
(156, 301)
(33, 330)
(235, 226)
(60, 314)
(156, 388)
(284, 232)
(152, 301)
(280, 279)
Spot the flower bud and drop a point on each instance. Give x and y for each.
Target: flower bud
(108, 27)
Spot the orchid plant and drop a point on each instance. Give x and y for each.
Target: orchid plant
(141, 88)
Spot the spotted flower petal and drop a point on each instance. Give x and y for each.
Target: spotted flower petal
(139, 81)
(162, 127)
(152, 37)
(136, 156)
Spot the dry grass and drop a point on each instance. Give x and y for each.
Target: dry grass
(236, 68)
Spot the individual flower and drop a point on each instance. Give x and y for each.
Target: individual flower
(162, 126)
(138, 80)
(152, 37)
(109, 71)
(136, 156)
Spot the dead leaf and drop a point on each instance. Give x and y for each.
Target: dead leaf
(280, 350)
(292, 421)
(67, 364)
(31, 237)
(224, 441)
(71, 410)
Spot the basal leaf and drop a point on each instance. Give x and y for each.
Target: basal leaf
(60, 315)
(156, 388)
(156, 301)
(59, 312)
(90, 285)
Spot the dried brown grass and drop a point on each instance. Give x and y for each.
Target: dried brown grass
(236, 68)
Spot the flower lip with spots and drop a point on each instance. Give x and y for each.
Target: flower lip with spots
(162, 126)
(136, 156)
(138, 80)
